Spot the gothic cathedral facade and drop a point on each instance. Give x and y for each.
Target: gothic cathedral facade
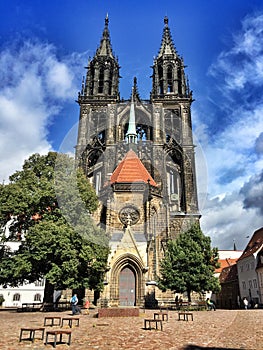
(139, 155)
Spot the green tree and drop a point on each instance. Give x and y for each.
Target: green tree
(51, 203)
(189, 264)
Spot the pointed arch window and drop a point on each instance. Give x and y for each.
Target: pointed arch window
(110, 82)
(91, 85)
(160, 76)
(179, 74)
(169, 79)
(101, 80)
(98, 182)
(174, 186)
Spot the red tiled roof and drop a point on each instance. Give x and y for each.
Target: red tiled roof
(131, 170)
(254, 244)
(228, 274)
(225, 263)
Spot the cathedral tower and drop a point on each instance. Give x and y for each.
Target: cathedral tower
(139, 156)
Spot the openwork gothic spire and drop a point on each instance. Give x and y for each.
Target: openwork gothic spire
(102, 79)
(168, 70)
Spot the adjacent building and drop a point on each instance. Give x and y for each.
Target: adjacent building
(250, 269)
(228, 297)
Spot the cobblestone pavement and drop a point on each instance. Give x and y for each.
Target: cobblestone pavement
(221, 329)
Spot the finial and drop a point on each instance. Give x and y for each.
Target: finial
(166, 20)
(107, 19)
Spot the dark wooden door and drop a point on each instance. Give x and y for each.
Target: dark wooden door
(127, 287)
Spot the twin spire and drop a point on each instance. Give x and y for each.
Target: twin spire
(105, 48)
(167, 45)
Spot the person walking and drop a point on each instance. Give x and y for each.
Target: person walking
(245, 302)
(74, 304)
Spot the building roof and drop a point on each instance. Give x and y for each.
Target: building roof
(228, 274)
(225, 263)
(131, 170)
(255, 243)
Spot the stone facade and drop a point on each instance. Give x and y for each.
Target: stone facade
(141, 215)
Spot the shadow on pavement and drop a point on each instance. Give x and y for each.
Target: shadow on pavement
(195, 347)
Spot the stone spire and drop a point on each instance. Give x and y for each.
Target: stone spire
(102, 79)
(167, 45)
(105, 48)
(168, 70)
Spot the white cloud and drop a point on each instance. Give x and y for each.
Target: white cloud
(34, 84)
(226, 221)
(243, 63)
(234, 153)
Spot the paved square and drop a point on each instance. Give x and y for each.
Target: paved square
(222, 329)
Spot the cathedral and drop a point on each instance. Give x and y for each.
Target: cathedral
(139, 156)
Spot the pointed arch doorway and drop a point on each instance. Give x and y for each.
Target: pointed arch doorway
(127, 287)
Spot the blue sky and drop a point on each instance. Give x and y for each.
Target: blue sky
(45, 45)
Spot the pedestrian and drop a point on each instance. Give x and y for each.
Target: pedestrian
(86, 306)
(210, 304)
(74, 305)
(245, 302)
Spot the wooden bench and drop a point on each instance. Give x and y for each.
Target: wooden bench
(51, 321)
(185, 315)
(162, 314)
(69, 321)
(31, 332)
(151, 322)
(30, 307)
(55, 338)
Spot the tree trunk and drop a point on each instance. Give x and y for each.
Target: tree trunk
(48, 292)
(189, 295)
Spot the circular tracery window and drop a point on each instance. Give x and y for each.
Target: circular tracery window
(129, 215)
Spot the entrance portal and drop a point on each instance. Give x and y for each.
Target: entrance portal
(127, 295)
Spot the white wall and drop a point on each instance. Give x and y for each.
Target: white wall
(248, 279)
(27, 293)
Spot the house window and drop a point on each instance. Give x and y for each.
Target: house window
(241, 268)
(244, 285)
(250, 284)
(37, 297)
(255, 283)
(247, 266)
(252, 265)
(16, 297)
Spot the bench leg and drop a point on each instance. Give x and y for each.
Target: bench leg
(55, 340)
(31, 335)
(69, 339)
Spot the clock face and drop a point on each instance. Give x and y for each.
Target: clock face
(129, 215)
